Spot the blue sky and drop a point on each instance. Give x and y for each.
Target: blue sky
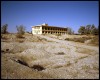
(56, 13)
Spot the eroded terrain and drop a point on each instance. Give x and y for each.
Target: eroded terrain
(43, 57)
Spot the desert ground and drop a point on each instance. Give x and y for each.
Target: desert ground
(49, 57)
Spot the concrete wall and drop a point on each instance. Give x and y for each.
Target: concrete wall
(37, 30)
(45, 29)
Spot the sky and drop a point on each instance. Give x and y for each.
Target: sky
(71, 14)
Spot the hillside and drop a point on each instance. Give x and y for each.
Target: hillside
(49, 57)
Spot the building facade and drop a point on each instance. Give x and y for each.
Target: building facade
(45, 29)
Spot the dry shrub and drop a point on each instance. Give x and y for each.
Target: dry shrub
(58, 34)
(43, 39)
(68, 39)
(83, 57)
(20, 40)
(95, 40)
(60, 53)
(79, 40)
(68, 64)
(85, 67)
(82, 39)
(4, 37)
(19, 36)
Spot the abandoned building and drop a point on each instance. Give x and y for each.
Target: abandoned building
(46, 29)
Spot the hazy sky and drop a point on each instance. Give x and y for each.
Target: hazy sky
(56, 13)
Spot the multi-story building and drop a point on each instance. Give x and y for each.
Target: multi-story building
(45, 29)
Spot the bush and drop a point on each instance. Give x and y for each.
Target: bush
(19, 36)
(68, 39)
(95, 41)
(20, 29)
(20, 40)
(4, 37)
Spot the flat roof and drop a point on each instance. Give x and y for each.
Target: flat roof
(48, 26)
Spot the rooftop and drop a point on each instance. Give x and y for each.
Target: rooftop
(44, 24)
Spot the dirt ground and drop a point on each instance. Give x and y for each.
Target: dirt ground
(48, 57)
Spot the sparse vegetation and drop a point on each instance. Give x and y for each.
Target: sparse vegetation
(58, 34)
(68, 63)
(21, 31)
(20, 40)
(33, 56)
(94, 40)
(4, 37)
(60, 53)
(82, 57)
(85, 67)
(4, 29)
(82, 39)
(89, 29)
(19, 36)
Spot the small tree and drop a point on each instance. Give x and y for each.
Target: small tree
(21, 31)
(88, 29)
(95, 31)
(81, 30)
(4, 29)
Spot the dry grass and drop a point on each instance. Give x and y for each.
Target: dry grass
(19, 36)
(81, 39)
(20, 40)
(4, 37)
(58, 34)
(95, 40)
(85, 67)
(82, 57)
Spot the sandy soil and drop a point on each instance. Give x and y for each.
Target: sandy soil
(60, 59)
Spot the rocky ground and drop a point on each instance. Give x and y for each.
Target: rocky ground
(47, 57)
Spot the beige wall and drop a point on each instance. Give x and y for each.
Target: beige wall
(37, 30)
